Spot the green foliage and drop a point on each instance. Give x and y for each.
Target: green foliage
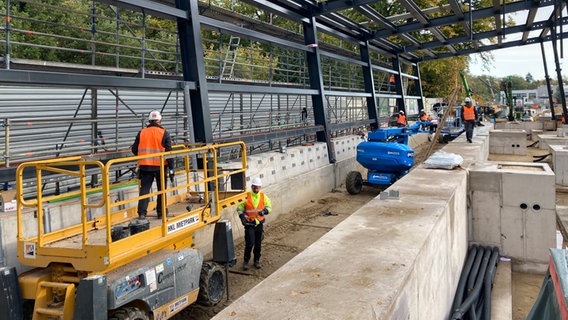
(440, 77)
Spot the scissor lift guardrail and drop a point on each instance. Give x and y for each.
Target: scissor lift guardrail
(88, 246)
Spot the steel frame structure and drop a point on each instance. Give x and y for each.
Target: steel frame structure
(384, 45)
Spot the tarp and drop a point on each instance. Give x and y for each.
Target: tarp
(552, 301)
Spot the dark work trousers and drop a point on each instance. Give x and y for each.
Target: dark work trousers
(469, 125)
(253, 236)
(146, 180)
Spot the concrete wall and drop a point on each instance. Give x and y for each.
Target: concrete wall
(290, 179)
(508, 142)
(513, 208)
(391, 259)
(523, 125)
(560, 164)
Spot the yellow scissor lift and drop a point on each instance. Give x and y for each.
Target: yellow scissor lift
(65, 256)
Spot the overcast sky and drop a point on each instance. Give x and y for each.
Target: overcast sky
(525, 59)
(522, 60)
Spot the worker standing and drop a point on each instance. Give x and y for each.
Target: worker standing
(401, 119)
(423, 118)
(152, 139)
(391, 82)
(252, 214)
(468, 115)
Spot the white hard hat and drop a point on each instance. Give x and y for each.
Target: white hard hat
(257, 182)
(155, 115)
(467, 99)
(401, 112)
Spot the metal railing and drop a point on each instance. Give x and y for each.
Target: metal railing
(84, 239)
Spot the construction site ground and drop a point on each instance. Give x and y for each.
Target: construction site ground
(291, 233)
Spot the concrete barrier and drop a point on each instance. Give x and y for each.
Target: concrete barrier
(391, 259)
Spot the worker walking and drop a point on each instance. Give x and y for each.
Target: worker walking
(468, 115)
(401, 119)
(152, 139)
(252, 214)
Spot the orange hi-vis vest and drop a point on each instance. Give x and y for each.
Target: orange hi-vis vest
(423, 117)
(468, 113)
(151, 142)
(251, 212)
(401, 119)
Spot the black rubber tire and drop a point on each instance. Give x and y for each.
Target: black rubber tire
(211, 284)
(129, 313)
(354, 182)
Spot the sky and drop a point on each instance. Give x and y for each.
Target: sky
(525, 59)
(520, 61)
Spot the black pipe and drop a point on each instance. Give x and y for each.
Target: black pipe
(540, 158)
(475, 270)
(474, 294)
(475, 278)
(463, 278)
(488, 285)
(534, 143)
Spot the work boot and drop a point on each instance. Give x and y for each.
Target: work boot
(246, 265)
(469, 140)
(257, 264)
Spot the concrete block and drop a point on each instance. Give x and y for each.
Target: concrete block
(515, 209)
(560, 163)
(512, 242)
(549, 125)
(502, 296)
(535, 133)
(508, 142)
(541, 235)
(482, 179)
(528, 183)
(486, 218)
(546, 140)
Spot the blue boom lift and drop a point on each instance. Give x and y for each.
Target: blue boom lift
(386, 156)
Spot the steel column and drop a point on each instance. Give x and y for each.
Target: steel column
(369, 85)
(400, 103)
(418, 87)
(194, 69)
(316, 82)
(547, 77)
(559, 72)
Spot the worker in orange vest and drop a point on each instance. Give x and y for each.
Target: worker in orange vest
(423, 118)
(468, 115)
(401, 119)
(391, 82)
(152, 139)
(252, 214)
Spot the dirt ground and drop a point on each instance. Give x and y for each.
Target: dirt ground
(292, 233)
(285, 238)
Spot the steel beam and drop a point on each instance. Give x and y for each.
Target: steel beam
(19, 77)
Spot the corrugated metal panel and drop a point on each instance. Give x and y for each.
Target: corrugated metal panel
(50, 122)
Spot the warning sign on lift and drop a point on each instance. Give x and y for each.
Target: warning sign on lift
(183, 223)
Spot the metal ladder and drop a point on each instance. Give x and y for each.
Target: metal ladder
(54, 300)
(230, 57)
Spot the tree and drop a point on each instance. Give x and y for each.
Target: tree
(529, 78)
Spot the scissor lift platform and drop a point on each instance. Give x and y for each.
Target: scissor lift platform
(89, 247)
